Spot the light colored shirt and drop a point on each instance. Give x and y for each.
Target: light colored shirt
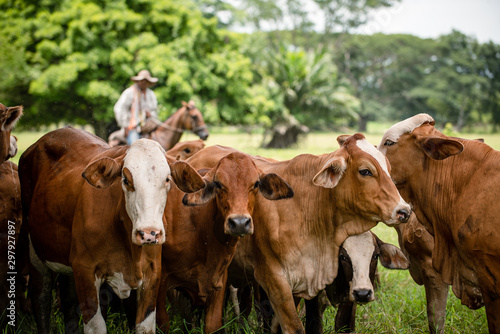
(123, 107)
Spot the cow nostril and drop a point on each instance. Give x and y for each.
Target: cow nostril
(403, 215)
(362, 296)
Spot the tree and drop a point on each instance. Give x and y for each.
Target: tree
(78, 55)
(454, 86)
(307, 92)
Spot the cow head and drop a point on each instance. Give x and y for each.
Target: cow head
(8, 119)
(358, 257)
(235, 182)
(364, 187)
(415, 141)
(146, 177)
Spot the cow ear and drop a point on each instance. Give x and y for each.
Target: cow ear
(273, 187)
(186, 178)
(331, 173)
(391, 256)
(13, 114)
(101, 173)
(341, 139)
(201, 196)
(440, 148)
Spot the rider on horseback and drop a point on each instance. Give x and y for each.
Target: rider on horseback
(135, 110)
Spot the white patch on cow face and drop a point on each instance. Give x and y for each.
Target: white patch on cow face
(97, 323)
(360, 249)
(146, 162)
(365, 146)
(120, 287)
(12, 146)
(398, 129)
(148, 325)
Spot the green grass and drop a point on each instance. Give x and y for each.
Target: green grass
(400, 303)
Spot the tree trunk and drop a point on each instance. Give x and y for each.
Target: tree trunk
(362, 123)
(286, 134)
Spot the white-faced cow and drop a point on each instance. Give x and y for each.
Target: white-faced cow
(453, 185)
(96, 213)
(359, 255)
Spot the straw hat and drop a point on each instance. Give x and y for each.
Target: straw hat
(144, 75)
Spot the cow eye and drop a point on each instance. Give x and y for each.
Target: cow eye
(256, 185)
(125, 181)
(167, 180)
(389, 142)
(365, 172)
(376, 256)
(342, 257)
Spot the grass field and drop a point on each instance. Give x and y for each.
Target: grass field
(400, 303)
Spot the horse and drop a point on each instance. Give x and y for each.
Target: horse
(168, 133)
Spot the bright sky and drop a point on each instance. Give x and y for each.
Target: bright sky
(432, 18)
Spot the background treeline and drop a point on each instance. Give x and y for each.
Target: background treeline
(68, 61)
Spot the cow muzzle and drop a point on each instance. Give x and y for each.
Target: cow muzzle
(238, 225)
(401, 214)
(148, 236)
(362, 296)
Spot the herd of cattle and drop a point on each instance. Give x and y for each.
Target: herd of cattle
(149, 223)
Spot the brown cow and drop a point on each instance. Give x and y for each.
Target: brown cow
(417, 243)
(295, 246)
(452, 184)
(94, 228)
(8, 119)
(199, 248)
(184, 150)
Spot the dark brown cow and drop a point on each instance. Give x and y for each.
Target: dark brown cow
(8, 119)
(359, 255)
(295, 246)
(200, 247)
(94, 228)
(184, 150)
(11, 262)
(452, 184)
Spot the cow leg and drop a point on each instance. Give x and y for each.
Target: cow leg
(436, 295)
(162, 319)
(69, 303)
(345, 320)
(40, 292)
(314, 316)
(146, 306)
(87, 288)
(282, 302)
(214, 311)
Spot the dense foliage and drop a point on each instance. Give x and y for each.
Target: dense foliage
(68, 61)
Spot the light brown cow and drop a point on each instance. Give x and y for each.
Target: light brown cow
(184, 150)
(202, 242)
(452, 184)
(8, 119)
(94, 228)
(295, 246)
